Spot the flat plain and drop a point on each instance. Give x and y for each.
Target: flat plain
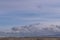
(30, 38)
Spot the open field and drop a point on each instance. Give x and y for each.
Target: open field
(30, 38)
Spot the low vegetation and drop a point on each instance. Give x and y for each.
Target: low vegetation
(30, 38)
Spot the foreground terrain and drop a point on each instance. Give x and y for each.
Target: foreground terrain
(30, 38)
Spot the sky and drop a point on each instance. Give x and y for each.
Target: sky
(25, 12)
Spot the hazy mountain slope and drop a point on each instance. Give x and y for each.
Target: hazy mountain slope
(33, 30)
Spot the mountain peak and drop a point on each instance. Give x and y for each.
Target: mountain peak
(38, 29)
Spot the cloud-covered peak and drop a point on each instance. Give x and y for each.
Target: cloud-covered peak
(37, 28)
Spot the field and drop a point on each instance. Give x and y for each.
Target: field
(30, 38)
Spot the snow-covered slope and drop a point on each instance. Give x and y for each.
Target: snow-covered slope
(38, 29)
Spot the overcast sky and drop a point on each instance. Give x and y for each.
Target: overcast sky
(25, 12)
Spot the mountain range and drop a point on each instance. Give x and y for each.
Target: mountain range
(33, 30)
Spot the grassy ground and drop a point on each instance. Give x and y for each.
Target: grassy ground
(31, 38)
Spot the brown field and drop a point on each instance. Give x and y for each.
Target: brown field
(30, 38)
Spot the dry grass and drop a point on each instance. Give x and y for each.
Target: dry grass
(30, 38)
